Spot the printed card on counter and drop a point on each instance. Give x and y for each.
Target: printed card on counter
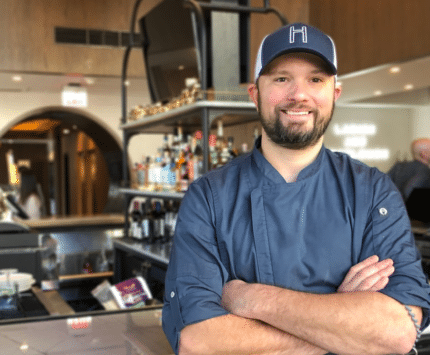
(131, 293)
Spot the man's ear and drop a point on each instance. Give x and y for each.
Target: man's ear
(253, 93)
(337, 90)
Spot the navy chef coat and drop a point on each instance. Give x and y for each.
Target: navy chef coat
(243, 221)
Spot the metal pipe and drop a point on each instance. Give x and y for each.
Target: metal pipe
(203, 82)
(196, 7)
(133, 21)
(124, 92)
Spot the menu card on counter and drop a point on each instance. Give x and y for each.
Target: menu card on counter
(131, 293)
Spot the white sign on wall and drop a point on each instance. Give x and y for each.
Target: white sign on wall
(74, 96)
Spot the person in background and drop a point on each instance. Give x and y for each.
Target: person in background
(29, 198)
(293, 248)
(409, 175)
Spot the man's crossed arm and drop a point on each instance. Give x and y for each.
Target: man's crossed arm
(271, 320)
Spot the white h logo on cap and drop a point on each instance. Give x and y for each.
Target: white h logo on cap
(303, 31)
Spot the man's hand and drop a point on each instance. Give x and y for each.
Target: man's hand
(368, 275)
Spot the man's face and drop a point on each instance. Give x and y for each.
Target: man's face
(295, 98)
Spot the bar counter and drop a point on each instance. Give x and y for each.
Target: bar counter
(76, 221)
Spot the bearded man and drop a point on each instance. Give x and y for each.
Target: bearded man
(294, 249)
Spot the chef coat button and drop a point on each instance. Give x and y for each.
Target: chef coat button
(172, 294)
(383, 211)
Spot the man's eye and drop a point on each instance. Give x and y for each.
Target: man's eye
(316, 80)
(281, 80)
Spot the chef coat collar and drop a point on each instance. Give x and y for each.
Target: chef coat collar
(269, 171)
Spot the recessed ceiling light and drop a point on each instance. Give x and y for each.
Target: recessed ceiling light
(408, 87)
(127, 83)
(395, 70)
(17, 78)
(90, 81)
(377, 93)
(181, 67)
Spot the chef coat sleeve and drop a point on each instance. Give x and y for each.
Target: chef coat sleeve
(195, 275)
(388, 235)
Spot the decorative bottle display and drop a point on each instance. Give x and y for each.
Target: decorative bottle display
(154, 221)
(180, 162)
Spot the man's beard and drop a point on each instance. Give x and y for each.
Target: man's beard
(291, 136)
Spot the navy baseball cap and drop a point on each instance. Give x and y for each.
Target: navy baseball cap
(296, 37)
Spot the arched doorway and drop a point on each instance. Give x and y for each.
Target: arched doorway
(75, 157)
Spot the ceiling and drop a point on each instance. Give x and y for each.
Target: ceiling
(404, 83)
(54, 83)
(373, 86)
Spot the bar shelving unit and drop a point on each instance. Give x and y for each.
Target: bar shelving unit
(200, 115)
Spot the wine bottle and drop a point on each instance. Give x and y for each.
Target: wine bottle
(136, 217)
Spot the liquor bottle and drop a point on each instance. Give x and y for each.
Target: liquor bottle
(198, 155)
(256, 134)
(221, 145)
(179, 167)
(87, 267)
(158, 219)
(136, 216)
(166, 151)
(213, 154)
(146, 225)
(169, 221)
(233, 153)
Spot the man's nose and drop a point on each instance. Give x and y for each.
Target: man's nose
(298, 91)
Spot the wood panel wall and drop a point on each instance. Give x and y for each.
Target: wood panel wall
(27, 33)
(263, 24)
(27, 36)
(368, 33)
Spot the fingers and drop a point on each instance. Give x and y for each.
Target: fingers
(360, 266)
(375, 281)
(368, 275)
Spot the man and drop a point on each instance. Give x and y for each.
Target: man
(413, 174)
(294, 249)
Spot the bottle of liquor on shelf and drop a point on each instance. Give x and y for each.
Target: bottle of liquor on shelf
(232, 151)
(198, 156)
(158, 220)
(213, 154)
(170, 220)
(136, 217)
(166, 152)
(256, 134)
(146, 223)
